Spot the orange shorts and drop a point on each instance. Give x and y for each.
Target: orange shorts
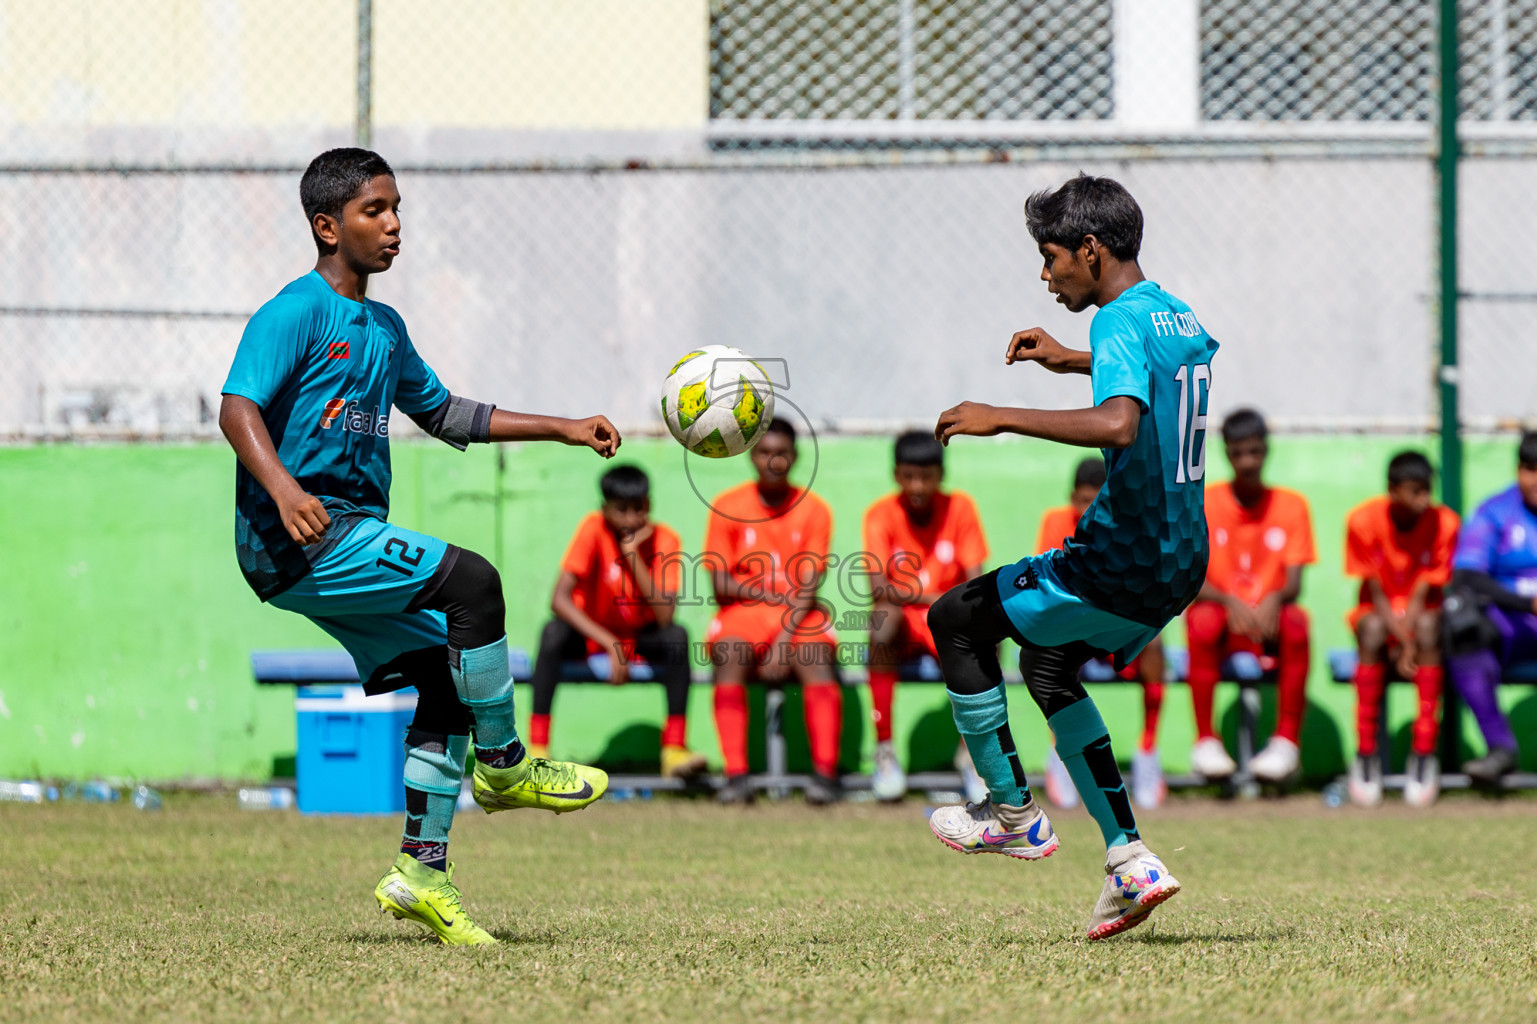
(761, 624)
(1400, 605)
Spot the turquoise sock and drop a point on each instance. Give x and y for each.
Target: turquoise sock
(983, 721)
(485, 686)
(434, 767)
(1083, 743)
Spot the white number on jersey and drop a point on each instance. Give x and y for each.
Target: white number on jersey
(1191, 459)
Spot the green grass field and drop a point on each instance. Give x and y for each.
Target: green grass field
(680, 911)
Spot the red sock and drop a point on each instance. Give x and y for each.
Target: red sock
(824, 724)
(1292, 673)
(731, 725)
(539, 730)
(1427, 725)
(883, 687)
(675, 732)
(1368, 707)
(1152, 707)
(1205, 627)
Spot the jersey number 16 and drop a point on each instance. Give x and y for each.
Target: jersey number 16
(1192, 421)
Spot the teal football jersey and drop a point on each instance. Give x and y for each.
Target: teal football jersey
(1140, 550)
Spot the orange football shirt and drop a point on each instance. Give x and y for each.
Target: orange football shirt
(605, 580)
(760, 543)
(1399, 559)
(1252, 548)
(938, 552)
(1057, 524)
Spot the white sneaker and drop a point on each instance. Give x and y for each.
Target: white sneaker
(1279, 761)
(889, 782)
(1422, 780)
(1365, 782)
(1059, 784)
(971, 783)
(1136, 881)
(1023, 832)
(1209, 759)
(1147, 786)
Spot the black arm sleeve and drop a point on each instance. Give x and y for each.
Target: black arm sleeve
(1487, 588)
(458, 422)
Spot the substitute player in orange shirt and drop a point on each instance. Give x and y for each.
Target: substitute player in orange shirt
(767, 544)
(1260, 538)
(1148, 788)
(604, 603)
(1401, 547)
(925, 541)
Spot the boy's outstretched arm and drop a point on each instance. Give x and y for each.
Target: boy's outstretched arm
(596, 432)
(304, 517)
(1111, 424)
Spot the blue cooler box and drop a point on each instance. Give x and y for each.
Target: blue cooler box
(352, 749)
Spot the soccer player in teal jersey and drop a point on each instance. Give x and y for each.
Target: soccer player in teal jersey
(1137, 559)
(306, 408)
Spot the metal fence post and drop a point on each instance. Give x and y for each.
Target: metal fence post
(1447, 155)
(365, 117)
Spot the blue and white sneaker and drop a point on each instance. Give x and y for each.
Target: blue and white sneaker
(1022, 832)
(1136, 881)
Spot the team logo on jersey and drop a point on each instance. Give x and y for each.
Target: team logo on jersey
(355, 419)
(338, 350)
(1028, 580)
(332, 410)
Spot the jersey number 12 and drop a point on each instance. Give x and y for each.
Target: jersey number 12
(1192, 421)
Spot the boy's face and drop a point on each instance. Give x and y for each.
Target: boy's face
(1411, 496)
(773, 458)
(1083, 497)
(1526, 479)
(625, 517)
(919, 484)
(368, 235)
(1071, 274)
(1247, 457)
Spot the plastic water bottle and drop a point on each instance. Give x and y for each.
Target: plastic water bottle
(26, 792)
(146, 799)
(266, 798)
(93, 792)
(1335, 793)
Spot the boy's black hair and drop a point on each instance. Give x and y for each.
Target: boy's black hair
(1090, 473)
(1526, 452)
(334, 178)
(784, 427)
(1409, 466)
(919, 448)
(1083, 206)
(625, 483)
(1244, 425)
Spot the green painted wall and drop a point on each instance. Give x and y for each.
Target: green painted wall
(126, 627)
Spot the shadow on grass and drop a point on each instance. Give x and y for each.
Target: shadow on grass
(420, 936)
(1151, 937)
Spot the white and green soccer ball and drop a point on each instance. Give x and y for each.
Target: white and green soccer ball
(717, 401)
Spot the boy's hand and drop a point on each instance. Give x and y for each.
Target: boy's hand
(972, 418)
(1036, 346)
(777, 665)
(597, 433)
(304, 517)
(618, 663)
(631, 544)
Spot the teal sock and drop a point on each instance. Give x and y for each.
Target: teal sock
(484, 685)
(1083, 743)
(434, 767)
(983, 721)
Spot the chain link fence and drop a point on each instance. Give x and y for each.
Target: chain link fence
(593, 187)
